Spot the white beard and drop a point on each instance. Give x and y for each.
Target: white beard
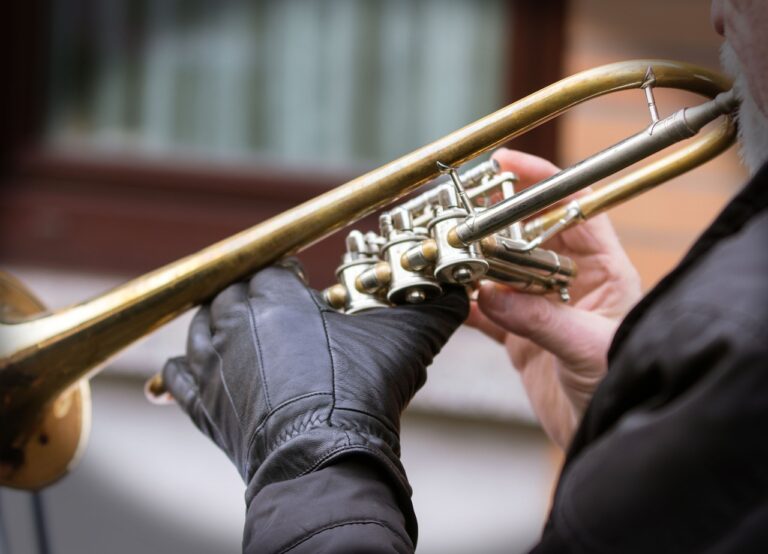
(753, 125)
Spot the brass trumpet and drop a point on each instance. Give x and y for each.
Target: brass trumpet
(452, 233)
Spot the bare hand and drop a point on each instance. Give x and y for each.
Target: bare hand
(560, 349)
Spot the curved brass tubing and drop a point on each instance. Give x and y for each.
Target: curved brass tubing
(42, 356)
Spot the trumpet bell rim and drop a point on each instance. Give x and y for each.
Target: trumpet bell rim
(52, 446)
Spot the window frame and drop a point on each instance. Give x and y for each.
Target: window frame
(130, 214)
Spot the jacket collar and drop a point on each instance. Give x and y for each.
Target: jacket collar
(750, 201)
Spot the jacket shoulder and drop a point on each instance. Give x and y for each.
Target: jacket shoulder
(711, 324)
(723, 294)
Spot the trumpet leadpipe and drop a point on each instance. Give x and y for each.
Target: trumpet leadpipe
(641, 180)
(683, 124)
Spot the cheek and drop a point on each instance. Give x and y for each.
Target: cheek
(745, 23)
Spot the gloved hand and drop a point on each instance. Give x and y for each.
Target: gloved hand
(285, 385)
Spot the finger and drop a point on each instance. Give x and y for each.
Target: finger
(442, 315)
(530, 169)
(578, 337)
(282, 307)
(593, 236)
(278, 285)
(480, 321)
(199, 340)
(522, 352)
(179, 381)
(451, 307)
(432, 322)
(234, 295)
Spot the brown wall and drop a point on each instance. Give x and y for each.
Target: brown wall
(658, 227)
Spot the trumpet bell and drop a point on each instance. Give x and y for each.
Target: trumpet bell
(51, 444)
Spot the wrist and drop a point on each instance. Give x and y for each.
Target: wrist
(312, 443)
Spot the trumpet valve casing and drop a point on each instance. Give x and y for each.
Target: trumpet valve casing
(453, 265)
(361, 256)
(405, 286)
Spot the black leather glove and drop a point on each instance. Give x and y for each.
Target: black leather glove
(285, 385)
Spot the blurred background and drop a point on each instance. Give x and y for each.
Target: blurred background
(138, 131)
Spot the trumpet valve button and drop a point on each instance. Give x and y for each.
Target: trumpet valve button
(415, 296)
(371, 280)
(420, 256)
(462, 274)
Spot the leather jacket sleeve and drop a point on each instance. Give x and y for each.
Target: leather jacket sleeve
(349, 507)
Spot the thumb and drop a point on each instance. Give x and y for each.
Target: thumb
(442, 315)
(578, 337)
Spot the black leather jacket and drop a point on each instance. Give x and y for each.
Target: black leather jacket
(672, 453)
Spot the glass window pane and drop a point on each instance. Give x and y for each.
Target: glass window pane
(336, 82)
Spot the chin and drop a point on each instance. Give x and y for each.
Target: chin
(753, 125)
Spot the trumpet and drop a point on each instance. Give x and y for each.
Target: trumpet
(471, 225)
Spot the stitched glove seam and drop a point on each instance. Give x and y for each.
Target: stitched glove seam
(259, 428)
(225, 385)
(288, 402)
(386, 425)
(330, 354)
(322, 310)
(255, 333)
(292, 431)
(295, 431)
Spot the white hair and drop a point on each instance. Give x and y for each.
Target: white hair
(753, 125)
